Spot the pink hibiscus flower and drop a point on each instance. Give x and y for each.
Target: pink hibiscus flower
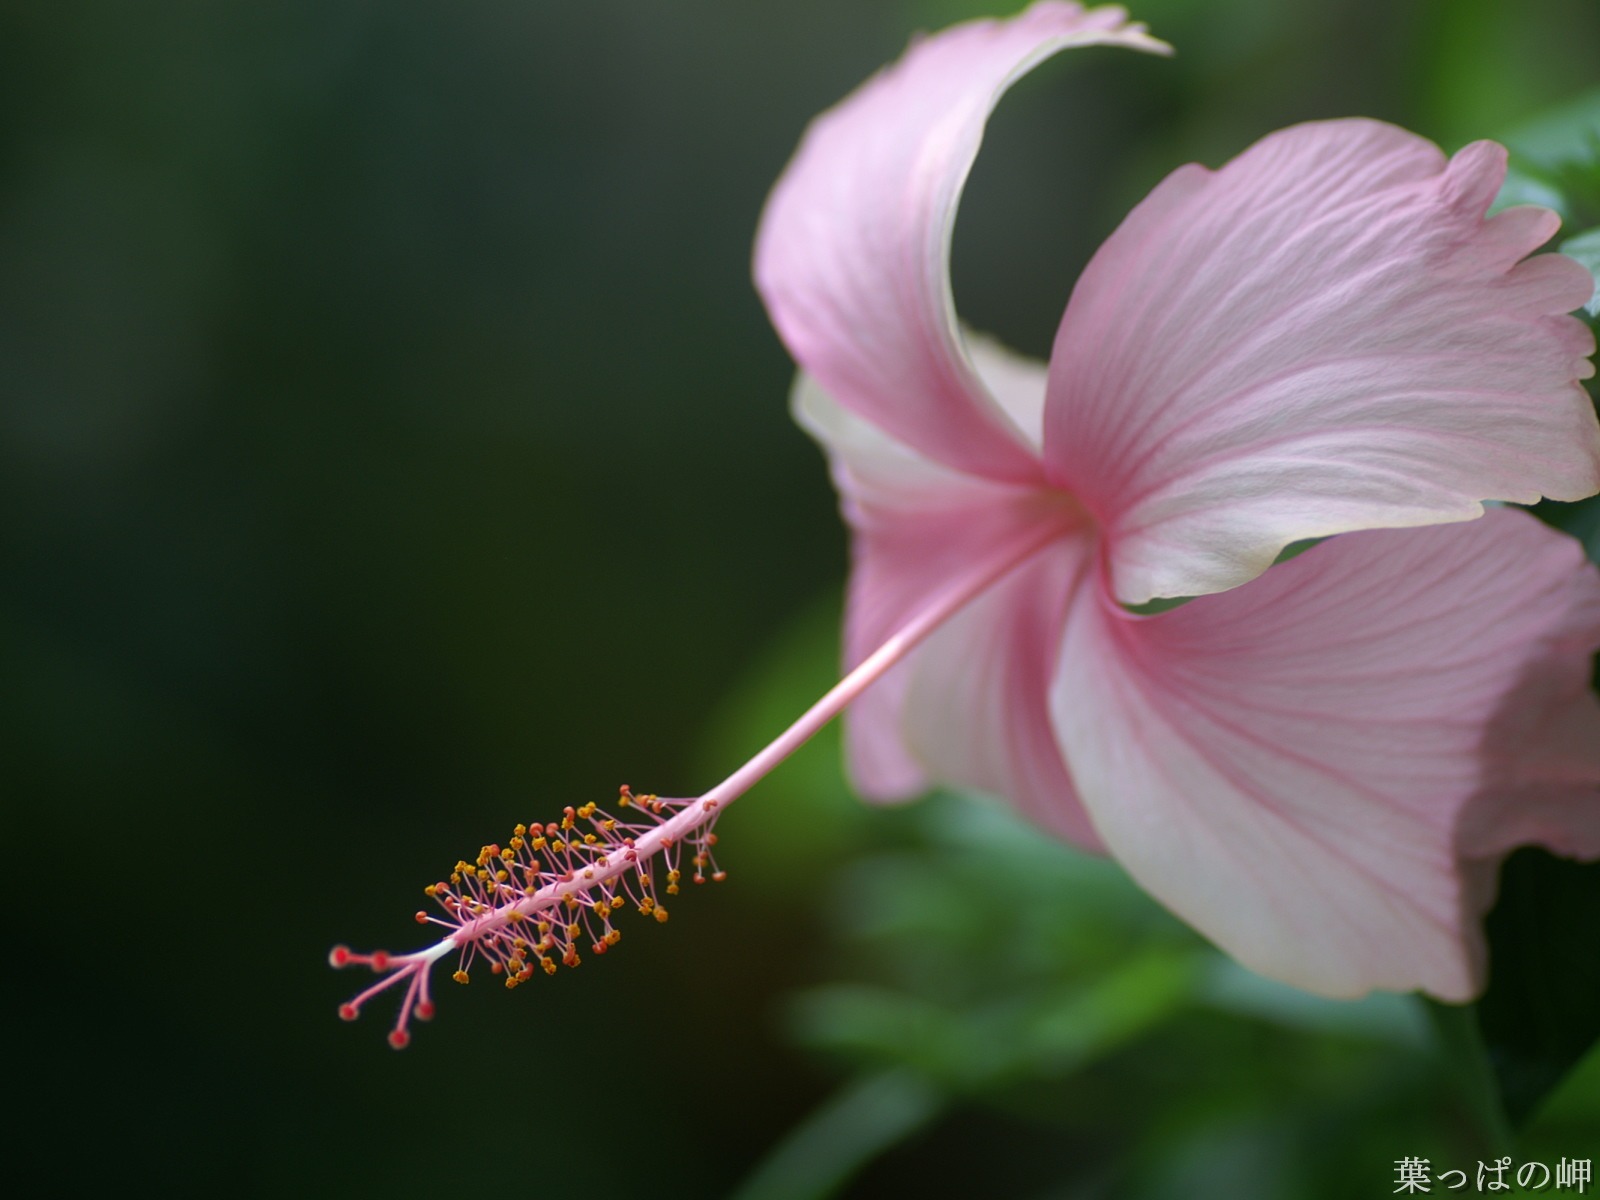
(1318, 766)
(1320, 769)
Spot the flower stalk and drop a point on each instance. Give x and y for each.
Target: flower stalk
(553, 888)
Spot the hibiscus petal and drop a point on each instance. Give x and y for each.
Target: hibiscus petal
(1320, 770)
(852, 257)
(968, 707)
(976, 712)
(1324, 335)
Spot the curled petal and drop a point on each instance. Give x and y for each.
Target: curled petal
(852, 257)
(968, 707)
(1320, 770)
(1324, 335)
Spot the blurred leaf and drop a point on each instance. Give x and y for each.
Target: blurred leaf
(1561, 136)
(1541, 1013)
(1581, 519)
(1569, 1116)
(1381, 1016)
(866, 1118)
(1487, 62)
(881, 1024)
(1586, 249)
(1529, 185)
(1117, 1007)
(1230, 1155)
(802, 814)
(1555, 161)
(1036, 1034)
(1461, 1043)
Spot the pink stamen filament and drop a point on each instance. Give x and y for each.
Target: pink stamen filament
(625, 854)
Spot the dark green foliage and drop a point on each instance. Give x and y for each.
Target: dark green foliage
(1541, 1013)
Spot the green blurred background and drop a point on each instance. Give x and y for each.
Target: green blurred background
(394, 449)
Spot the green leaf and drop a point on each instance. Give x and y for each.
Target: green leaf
(1568, 1117)
(881, 1024)
(1383, 1017)
(1461, 1043)
(1586, 249)
(1581, 519)
(1125, 1003)
(1528, 185)
(1541, 1013)
(1568, 133)
(867, 1117)
(1555, 161)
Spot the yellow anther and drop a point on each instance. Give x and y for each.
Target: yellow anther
(549, 965)
(508, 855)
(460, 977)
(589, 839)
(502, 876)
(517, 843)
(646, 906)
(482, 873)
(512, 918)
(539, 843)
(661, 914)
(566, 822)
(672, 889)
(558, 846)
(544, 926)
(511, 983)
(673, 876)
(613, 936)
(455, 877)
(572, 931)
(616, 902)
(519, 831)
(624, 800)
(429, 891)
(608, 825)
